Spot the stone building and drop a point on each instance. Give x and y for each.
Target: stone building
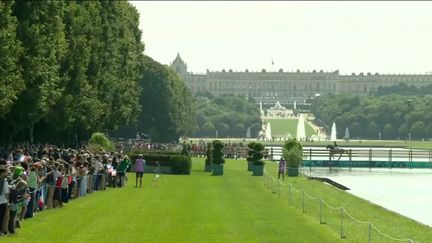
(287, 87)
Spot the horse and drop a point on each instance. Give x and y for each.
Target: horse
(335, 150)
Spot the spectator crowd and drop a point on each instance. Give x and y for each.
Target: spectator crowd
(43, 177)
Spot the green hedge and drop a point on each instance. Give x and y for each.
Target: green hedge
(180, 164)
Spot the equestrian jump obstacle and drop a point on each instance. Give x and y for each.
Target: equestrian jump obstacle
(365, 157)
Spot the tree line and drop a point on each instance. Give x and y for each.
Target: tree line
(397, 112)
(69, 68)
(229, 115)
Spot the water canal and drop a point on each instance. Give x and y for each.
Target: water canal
(403, 190)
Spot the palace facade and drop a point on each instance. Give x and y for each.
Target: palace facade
(287, 87)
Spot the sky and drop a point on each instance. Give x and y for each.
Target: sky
(352, 37)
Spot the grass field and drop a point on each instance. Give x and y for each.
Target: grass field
(390, 223)
(235, 207)
(281, 127)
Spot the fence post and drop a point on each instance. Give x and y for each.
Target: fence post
(430, 156)
(370, 155)
(271, 184)
(267, 178)
(303, 206)
(390, 155)
(310, 161)
(320, 215)
(341, 228)
(350, 155)
(278, 189)
(370, 233)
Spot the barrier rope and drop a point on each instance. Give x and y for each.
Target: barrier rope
(371, 225)
(391, 238)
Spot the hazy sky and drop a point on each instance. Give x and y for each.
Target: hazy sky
(384, 37)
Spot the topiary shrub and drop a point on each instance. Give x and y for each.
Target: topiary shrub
(217, 152)
(293, 154)
(179, 164)
(250, 152)
(258, 154)
(209, 158)
(218, 157)
(186, 149)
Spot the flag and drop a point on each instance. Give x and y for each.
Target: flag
(41, 201)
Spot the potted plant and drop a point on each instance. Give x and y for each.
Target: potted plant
(208, 161)
(293, 154)
(218, 157)
(249, 157)
(258, 163)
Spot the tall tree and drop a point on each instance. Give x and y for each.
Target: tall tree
(121, 62)
(11, 83)
(167, 105)
(41, 32)
(79, 110)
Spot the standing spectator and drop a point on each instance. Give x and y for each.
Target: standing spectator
(50, 182)
(15, 197)
(282, 168)
(32, 185)
(58, 177)
(121, 169)
(139, 169)
(4, 195)
(114, 164)
(83, 185)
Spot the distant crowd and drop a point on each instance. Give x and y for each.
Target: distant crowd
(127, 145)
(231, 150)
(42, 177)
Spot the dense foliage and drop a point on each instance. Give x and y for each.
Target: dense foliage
(209, 158)
(180, 164)
(229, 115)
(257, 153)
(404, 89)
(67, 68)
(393, 116)
(293, 153)
(70, 68)
(167, 105)
(218, 152)
(99, 140)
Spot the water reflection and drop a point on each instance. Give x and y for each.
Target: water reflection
(406, 191)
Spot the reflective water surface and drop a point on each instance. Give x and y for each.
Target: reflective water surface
(405, 191)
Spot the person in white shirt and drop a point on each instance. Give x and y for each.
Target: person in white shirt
(4, 195)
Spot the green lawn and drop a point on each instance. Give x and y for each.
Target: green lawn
(390, 223)
(235, 207)
(281, 127)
